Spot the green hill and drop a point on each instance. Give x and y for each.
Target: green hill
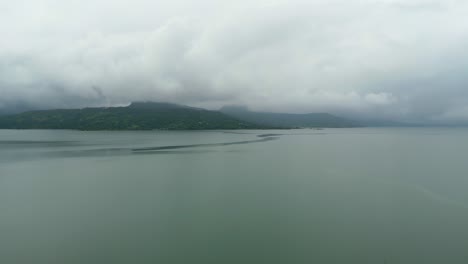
(137, 116)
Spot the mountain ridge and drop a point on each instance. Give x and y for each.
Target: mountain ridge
(147, 115)
(136, 116)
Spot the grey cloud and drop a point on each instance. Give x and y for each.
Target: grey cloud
(392, 59)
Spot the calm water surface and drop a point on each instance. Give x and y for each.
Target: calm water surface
(359, 196)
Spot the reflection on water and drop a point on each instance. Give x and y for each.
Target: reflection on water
(297, 196)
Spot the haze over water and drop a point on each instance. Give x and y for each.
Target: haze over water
(362, 195)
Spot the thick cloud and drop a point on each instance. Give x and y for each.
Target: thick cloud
(391, 59)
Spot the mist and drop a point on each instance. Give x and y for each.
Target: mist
(366, 59)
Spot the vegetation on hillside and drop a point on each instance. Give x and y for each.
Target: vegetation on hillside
(137, 116)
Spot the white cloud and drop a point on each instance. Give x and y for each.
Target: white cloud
(380, 98)
(374, 58)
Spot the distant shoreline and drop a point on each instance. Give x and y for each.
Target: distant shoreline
(165, 116)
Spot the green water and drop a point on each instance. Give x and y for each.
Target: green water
(301, 196)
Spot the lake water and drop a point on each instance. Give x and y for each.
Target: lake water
(364, 195)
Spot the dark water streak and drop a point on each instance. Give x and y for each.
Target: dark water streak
(205, 145)
(105, 152)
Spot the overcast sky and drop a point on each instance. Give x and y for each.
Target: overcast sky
(391, 59)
